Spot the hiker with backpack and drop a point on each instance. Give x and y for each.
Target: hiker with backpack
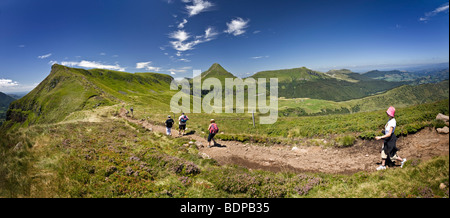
(213, 130)
(182, 123)
(389, 150)
(169, 124)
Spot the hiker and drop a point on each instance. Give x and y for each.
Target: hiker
(389, 149)
(169, 124)
(131, 109)
(182, 123)
(213, 130)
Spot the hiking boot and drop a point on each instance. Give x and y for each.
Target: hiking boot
(381, 168)
(403, 162)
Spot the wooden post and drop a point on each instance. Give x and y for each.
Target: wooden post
(253, 117)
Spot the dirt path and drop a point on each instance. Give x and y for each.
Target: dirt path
(363, 156)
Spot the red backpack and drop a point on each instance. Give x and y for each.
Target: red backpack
(214, 129)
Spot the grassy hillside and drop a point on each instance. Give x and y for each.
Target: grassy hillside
(115, 160)
(400, 97)
(421, 77)
(67, 90)
(306, 83)
(292, 75)
(217, 71)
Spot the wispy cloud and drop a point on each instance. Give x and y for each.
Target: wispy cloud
(181, 40)
(237, 26)
(440, 9)
(210, 34)
(45, 56)
(147, 65)
(182, 23)
(179, 70)
(92, 64)
(180, 35)
(7, 83)
(260, 57)
(197, 6)
(182, 44)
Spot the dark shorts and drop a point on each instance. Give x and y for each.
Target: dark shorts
(211, 136)
(182, 127)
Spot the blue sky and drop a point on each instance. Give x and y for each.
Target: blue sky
(176, 37)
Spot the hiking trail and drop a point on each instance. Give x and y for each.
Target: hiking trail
(363, 156)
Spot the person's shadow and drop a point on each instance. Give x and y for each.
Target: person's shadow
(192, 132)
(218, 145)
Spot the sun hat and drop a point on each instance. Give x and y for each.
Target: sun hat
(212, 121)
(391, 111)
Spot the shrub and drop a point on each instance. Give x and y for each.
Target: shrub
(438, 123)
(346, 141)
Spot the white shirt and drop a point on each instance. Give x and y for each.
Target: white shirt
(391, 123)
(179, 119)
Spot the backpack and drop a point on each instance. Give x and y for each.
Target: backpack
(184, 119)
(214, 129)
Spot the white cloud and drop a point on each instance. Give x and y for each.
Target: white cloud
(172, 73)
(182, 23)
(7, 83)
(92, 64)
(52, 62)
(197, 6)
(184, 60)
(147, 65)
(210, 33)
(180, 35)
(45, 56)
(428, 15)
(180, 70)
(182, 44)
(260, 57)
(237, 26)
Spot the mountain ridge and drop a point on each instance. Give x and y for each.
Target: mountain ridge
(66, 90)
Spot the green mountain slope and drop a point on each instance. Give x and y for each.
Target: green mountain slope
(67, 90)
(5, 100)
(403, 96)
(306, 83)
(420, 77)
(217, 71)
(292, 75)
